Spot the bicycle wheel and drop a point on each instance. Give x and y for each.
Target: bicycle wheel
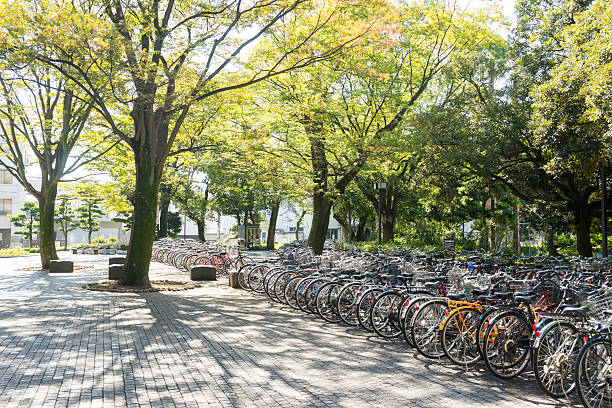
(593, 372)
(300, 293)
(508, 343)
(255, 278)
(279, 285)
(366, 301)
(459, 336)
(347, 303)
(327, 299)
(425, 327)
(243, 275)
(485, 320)
(554, 358)
(407, 314)
(312, 291)
(291, 290)
(385, 314)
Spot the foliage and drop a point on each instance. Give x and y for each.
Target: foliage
(89, 211)
(15, 251)
(28, 220)
(64, 216)
(174, 224)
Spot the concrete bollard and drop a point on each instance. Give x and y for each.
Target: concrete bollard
(116, 260)
(61, 267)
(233, 280)
(204, 272)
(115, 272)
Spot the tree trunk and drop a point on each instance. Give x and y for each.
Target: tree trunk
(583, 217)
(272, 226)
(321, 209)
(347, 229)
(89, 236)
(164, 205)
(485, 226)
(516, 241)
(46, 204)
(143, 225)
(298, 224)
(388, 227)
(359, 234)
(550, 243)
(201, 230)
(66, 239)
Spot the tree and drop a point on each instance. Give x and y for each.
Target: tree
(42, 116)
(174, 224)
(155, 61)
(344, 110)
(30, 220)
(64, 216)
(193, 201)
(89, 211)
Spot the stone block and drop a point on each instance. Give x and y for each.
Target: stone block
(116, 260)
(233, 280)
(204, 272)
(115, 272)
(61, 267)
(74, 251)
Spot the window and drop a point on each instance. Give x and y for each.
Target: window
(5, 177)
(292, 229)
(6, 206)
(332, 233)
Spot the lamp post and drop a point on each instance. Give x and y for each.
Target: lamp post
(380, 187)
(185, 222)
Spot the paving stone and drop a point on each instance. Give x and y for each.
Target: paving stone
(211, 347)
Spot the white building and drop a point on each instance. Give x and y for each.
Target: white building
(12, 197)
(221, 228)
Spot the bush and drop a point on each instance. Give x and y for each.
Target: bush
(17, 251)
(34, 250)
(123, 247)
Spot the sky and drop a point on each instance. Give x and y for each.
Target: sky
(505, 6)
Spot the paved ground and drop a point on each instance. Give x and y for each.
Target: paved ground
(214, 346)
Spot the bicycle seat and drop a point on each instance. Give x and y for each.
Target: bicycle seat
(479, 292)
(566, 305)
(357, 277)
(526, 293)
(503, 295)
(485, 298)
(524, 299)
(371, 274)
(387, 276)
(324, 270)
(576, 311)
(456, 296)
(432, 285)
(337, 273)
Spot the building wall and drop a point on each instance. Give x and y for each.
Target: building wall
(285, 226)
(16, 193)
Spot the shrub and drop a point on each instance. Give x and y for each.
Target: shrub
(17, 251)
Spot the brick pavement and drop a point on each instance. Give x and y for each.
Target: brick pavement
(213, 347)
